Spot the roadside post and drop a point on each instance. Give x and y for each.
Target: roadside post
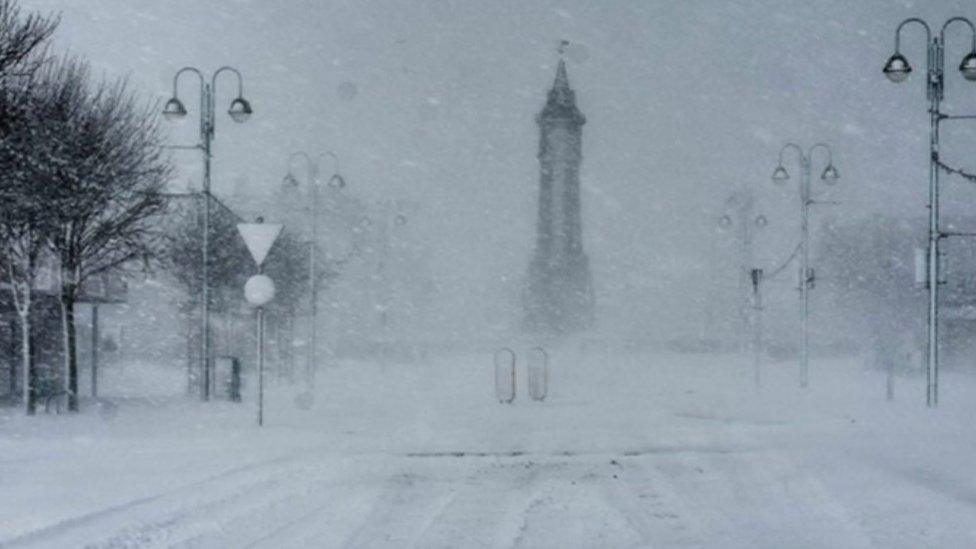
(259, 290)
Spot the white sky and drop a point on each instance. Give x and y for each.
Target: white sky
(683, 100)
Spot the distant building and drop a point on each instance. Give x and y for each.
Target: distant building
(558, 296)
(47, 345)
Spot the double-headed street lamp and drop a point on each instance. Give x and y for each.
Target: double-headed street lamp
(829, 176)
(897, 70)
(739, 217)
(239, 111)
(746, 225)
(336, 182)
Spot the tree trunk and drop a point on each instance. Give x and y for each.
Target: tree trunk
(189, 352)
(70, 344)
(12, 378)
(30, 392)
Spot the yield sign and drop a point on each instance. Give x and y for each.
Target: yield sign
(259, 238)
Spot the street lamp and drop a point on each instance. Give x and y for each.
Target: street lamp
(239, 111)
(739, 209)
(829, 176)
(897, 70)
(336, 182)
(381, 224)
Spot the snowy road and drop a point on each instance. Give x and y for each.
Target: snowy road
(672, 459)
(660, 499)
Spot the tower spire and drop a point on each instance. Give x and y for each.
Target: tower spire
(561, 100)
(562, 80)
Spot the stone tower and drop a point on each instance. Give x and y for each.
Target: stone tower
(558, 295)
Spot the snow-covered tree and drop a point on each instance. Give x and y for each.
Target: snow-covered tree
(103, 166)
(22, 204)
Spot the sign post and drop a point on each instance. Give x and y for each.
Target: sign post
(259, 290)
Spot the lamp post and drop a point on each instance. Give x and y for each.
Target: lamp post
(739, 215)
(829, 176)
(239, 111)
(336, 182)
(383, 293)
(743, 203)
(897, 70)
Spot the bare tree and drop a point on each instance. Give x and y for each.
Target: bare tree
(22, 234)
(104, 171)
(22, 39)
(22, 230)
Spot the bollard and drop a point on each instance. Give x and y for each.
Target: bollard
(505, 375)
(538, 373)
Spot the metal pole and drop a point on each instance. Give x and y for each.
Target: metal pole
(260, 366)
(206, 132)
(804, 269)
(746, 226)
(313, 314)
(935, 92)
(757, 341)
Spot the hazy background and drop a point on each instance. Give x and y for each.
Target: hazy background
(434, 102)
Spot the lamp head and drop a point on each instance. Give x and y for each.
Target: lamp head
(897, 68)
(337, 182)
(240, 110)
(289, 181)
(174, 109)
(830, 175)
(780, 175)
(968, 66)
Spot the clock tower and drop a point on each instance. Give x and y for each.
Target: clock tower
(558, 296)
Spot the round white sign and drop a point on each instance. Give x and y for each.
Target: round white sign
(259, 290)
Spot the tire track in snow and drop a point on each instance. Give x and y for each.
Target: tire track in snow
(481, 507)
(101, 526)
(401, 511)
(764, 499)
(649, 503)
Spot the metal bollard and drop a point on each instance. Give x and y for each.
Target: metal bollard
(538, 373)
(505, 375)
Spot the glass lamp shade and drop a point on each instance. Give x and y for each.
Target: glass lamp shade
(174, 109)
(289, 181)
(780, 175)
(830, 175)
(968, 67)
(337, 182)
(897, 68)
(240, 110)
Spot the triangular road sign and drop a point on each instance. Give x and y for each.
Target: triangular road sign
(259, 238)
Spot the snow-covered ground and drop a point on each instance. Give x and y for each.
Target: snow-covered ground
(628, 451)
